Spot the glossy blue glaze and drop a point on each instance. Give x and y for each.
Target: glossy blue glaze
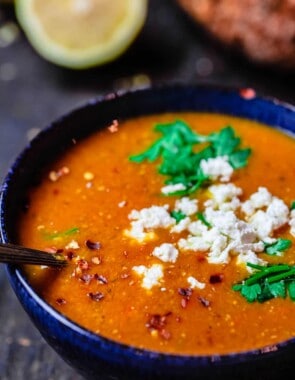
(90, 354)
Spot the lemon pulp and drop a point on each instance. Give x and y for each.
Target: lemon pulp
(81, 33)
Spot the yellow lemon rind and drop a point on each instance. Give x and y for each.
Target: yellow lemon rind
(101, 54)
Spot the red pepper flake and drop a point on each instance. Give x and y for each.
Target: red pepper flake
(247, 93)
(114, 127)
(185, 292)
(96, 296)
(61, 301)
(70, 255)
(203, 301)
(216, 278)
(157, 321)
(100, 278)
(93, 245)
(83, 264)
(86, 278)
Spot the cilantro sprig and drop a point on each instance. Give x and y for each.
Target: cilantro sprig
(268, 282)
(61, 234)
(181, 150)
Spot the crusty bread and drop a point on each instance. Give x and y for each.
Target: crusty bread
(264, 30)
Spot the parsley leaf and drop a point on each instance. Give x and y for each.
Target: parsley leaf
(180, 151)
(251, 292)
(292, 206)
(268, 282)
(278, 247)
(177, 215)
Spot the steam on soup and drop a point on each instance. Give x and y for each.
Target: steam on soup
(179, 238)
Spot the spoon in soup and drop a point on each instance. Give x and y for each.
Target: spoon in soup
(15, 254)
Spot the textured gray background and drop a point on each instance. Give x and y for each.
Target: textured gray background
(33, 92)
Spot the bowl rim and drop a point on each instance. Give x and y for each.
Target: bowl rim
(15, 273)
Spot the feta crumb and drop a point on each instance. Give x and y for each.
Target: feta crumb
(137, 232)
(249, 257)
(292, 222)
(194, 283)
(187, 206)
(151, 276)
(224, 197)
(275, 216)
(72, 245)
(166, 252)
(172, 188)
(147, 219)
(194, 243)
(262, 198)
(181, 226)
(217, 168)
(153, 217)
(278, 211)
(197, 228)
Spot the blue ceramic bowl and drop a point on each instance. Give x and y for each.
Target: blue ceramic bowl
(92, 355)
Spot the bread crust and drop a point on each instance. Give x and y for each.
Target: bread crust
(264, 30)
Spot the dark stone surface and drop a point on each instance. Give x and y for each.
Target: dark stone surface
(33, 92)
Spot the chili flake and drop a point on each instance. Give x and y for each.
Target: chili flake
(96, 296)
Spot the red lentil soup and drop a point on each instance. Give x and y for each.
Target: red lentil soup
(85, 207)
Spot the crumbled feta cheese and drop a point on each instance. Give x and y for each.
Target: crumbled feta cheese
(224, 192)
(72, 245)
(262, 224)
(219, 257)
(166, 252)
(183, 225)
(194, 283)
(194, 243)
(151, 276)
(197, 228)
(224, 221)
(187, 206)
(172, 188)
(147, 219)
(278, 211)
(275, 216)
(249, 257)
(292, 222)
(137, 232)
(262, 198)
(224, 197)
(153, 217)
(217, 168)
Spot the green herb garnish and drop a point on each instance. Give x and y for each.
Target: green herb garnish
(202, 218)
(181, 151)
(268, 282)
(292, 207)
(278, 247)
(177, 215)
(61, 234)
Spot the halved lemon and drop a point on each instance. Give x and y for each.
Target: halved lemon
(81, 33)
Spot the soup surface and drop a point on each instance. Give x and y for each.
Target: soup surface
(167, 272)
